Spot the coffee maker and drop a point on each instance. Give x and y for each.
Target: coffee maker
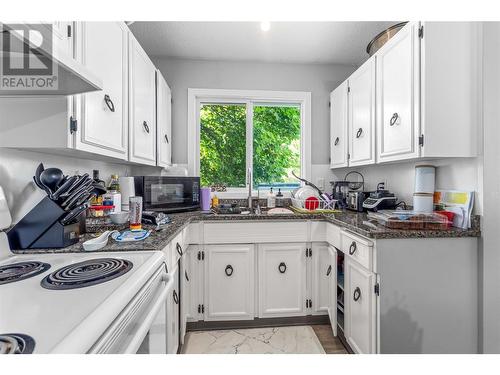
(340, 191)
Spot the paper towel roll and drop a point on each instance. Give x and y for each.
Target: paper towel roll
(425, 176)
(127, 189)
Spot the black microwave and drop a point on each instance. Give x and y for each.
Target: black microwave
(168, 193)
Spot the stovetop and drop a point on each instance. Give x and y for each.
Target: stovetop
(64, 302)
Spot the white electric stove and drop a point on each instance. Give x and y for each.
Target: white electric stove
(83, 302)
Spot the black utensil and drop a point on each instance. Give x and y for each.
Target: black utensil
(84, 197)
(37, 184)
(64, 187)
(38, 172)
(99, 189)
(51, 177)
(74, 196)
(73, 214)
(84, 179)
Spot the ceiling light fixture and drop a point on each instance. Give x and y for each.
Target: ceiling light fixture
(265, 25)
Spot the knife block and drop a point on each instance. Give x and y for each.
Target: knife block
(40, 228)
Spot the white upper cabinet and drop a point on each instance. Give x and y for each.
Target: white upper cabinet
(397, 96)
(104, 119)
(164, 121)
(142, 105)
(361, 115)
(338, 127)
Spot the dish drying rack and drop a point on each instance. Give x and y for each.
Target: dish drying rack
(309, 206)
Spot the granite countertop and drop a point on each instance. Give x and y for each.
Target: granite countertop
(355, 222)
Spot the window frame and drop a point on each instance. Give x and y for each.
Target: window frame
(215, 96)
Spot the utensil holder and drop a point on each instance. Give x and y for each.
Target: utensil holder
(40, 228)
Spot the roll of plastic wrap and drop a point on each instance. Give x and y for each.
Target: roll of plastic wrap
(425, 177)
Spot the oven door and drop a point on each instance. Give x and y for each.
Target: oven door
(170, 194)
(142, 326)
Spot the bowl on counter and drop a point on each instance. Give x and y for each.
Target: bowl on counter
(119, 217)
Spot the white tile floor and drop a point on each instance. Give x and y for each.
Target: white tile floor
(289, 340)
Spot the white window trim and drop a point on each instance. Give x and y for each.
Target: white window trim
(196, 96)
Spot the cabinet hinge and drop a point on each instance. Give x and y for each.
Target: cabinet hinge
(73, 125)
(203, 309)
(69, 31)
(329, 104)
(348, 156)
(199, 255)
(421, 32)
(377, 289)
(307, 303)
(348, 89)
(421, 140)
(310, 252)
(171, 101)
(199, 309)
(202, 255)
(310, 303)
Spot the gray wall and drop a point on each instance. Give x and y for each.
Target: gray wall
(316, 78)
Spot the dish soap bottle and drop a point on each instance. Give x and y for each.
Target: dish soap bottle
(279, 199)
(271, 199)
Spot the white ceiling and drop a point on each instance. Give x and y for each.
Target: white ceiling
(290, 42)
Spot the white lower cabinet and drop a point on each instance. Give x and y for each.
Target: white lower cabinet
(321, 275)
(332, 288)
(360, 307)
(229, 282)
(282, 280)
(173, 300)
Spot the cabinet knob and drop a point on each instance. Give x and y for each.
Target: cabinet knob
(359, 132)
(166, 139)
(352, 248)
(229, 270)
(394, 119)
(179, 249)
(145, 126)
(329, 270)
(282, 267)
(176, 297)
(336, 141)
(357, 294)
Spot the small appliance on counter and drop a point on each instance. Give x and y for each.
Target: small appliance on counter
(355, 200)
(168, 193)
(380, 200)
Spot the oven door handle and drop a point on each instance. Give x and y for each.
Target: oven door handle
(141, 332)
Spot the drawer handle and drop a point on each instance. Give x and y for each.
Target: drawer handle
(357, 294)
(352, 248)
(329, 270)
(229, 270)
(186, 275)
(109, 103)
(337, 140)
(282, 267)
(166, 139)
(394, 119)
(179, 249)
(145, 126)
(176, 297)
(359, 132)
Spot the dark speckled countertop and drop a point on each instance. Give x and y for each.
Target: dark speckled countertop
(355, 222)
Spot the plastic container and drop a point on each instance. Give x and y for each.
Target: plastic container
(425, 177)
(411, 220)
(205, 198)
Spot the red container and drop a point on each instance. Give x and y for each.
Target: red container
(449, 215)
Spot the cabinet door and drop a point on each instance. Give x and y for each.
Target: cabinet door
(360, 305)
(397, 99)
(164, 121)
(282, 280)
(362, 115)
(229, 282)
(332, 288)
(104, 118)
(173, 315)
(142, 105)
(338, 127)
(185, 293)
(321, 275)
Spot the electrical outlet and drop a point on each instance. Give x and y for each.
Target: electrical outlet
(320, 183)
